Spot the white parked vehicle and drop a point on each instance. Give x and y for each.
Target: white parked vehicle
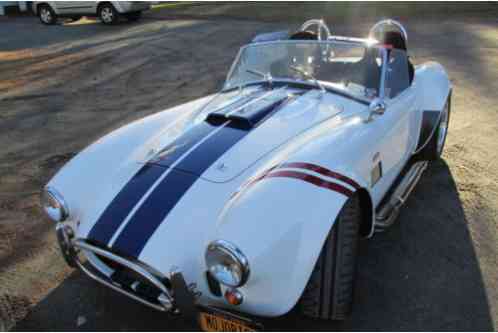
(108, 12)
(252, 201)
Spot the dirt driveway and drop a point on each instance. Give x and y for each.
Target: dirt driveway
(64, 86)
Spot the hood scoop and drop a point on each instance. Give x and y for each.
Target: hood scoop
(227, 139)
(249, 115)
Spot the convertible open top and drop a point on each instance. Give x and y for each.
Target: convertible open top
(252, 200)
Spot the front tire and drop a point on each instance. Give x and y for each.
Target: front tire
(108, 14)
(47, 15)
(329, 292)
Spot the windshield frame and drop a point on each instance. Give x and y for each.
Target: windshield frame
(329, 86)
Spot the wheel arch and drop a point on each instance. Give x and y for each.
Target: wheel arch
(39, 5)
(367, 214)
(428, 125)
(101, 3)
(434, 90)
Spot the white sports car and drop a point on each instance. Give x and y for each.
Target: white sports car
(252, 201)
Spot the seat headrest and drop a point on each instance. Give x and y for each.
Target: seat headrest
(394, 39)
(304, 35)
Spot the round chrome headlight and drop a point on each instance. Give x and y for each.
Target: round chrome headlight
(227, 264)
(54, 205)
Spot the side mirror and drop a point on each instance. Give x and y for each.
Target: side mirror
(376, 107)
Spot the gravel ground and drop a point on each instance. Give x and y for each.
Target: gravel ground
(64, 86)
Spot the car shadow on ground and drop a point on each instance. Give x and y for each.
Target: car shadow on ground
(422, 274)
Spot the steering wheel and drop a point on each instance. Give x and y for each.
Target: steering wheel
(381, 26)
(320, 26)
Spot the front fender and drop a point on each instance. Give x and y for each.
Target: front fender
(282, 238)
(281, 223)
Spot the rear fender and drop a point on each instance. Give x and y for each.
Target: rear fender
(434, 89)
(433, 86)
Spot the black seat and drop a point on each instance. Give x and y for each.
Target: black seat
(304, 35)
(369, 69)
(396, 41)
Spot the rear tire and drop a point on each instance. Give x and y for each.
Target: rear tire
(108, 14)
(434, 148)
(47, 15)
(329, 292)
(132, 17)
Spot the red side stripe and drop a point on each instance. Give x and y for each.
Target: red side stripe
(255, 180)
(321, 170)
(310, 179)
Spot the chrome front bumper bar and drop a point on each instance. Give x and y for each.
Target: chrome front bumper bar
(164, 300)
(73, 249)
(101, 266)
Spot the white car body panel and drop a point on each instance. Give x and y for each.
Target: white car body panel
(280, 224)
(121, 151)
(63, 8)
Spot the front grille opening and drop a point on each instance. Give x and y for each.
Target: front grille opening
(132, 278)
(134, 282)
(108, 262)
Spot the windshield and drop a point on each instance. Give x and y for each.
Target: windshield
(350, 67)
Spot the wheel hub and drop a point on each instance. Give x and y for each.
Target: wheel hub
(107, 15)
(46, 15)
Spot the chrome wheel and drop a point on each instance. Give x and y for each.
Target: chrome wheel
(443, 130)
(107, 15)
(46, 15)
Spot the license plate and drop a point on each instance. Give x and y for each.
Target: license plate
(217, 323)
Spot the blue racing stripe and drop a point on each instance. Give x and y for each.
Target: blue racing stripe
(168, 193)
(112, 217)
(172, 152)
(117, 211)
(147, 218)
(152, 212)
(211, 149)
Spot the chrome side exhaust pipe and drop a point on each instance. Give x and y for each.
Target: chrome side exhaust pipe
(388, 213)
